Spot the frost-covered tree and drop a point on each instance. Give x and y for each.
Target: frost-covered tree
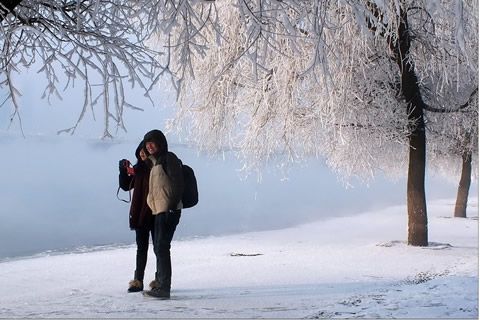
(348, 80)
(453, 147)
(95, 44)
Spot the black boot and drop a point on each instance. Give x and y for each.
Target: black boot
(135, 285)
(158, 293)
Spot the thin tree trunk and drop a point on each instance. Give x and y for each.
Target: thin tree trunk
(464, 186)
(416, 200)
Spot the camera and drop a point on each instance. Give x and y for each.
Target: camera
(124, 164)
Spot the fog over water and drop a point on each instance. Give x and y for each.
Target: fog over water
(59, 192)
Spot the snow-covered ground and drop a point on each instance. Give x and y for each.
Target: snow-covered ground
(356, 266)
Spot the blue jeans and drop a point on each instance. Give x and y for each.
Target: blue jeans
(165, 225)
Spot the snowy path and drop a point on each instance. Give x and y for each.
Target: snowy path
(303, 301)
(344, 267)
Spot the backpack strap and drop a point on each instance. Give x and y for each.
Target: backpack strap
(129, 193)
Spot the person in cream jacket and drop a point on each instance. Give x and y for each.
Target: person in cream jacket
(166, 186)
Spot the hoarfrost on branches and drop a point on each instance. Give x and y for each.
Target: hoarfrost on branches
(292, 79)
(96, 43)
(272, 80)
(453, 138)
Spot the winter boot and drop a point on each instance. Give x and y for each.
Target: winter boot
(154, 284)
(158, 293)
(135, 286)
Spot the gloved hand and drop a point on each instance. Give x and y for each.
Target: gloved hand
(130, 171)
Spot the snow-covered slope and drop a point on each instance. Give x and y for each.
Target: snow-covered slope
(357, 266)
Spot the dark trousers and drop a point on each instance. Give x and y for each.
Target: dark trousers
(142, 237)
(164, 225)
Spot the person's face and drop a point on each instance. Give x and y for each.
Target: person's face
(143, 155)
(151, 147)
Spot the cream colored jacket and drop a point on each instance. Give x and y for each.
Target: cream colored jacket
(160, 191)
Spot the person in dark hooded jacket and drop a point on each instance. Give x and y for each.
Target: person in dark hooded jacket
(141, 218)
(166, 186)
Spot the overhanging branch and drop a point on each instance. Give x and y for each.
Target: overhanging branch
(459, 108)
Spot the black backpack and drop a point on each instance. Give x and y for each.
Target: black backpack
(190, 193)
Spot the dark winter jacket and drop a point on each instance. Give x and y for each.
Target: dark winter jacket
(166, 183)
(140, 213)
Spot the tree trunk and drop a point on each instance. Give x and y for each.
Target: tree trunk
(464, 186)
(416, 200)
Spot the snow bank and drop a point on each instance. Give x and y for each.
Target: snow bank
(357, 266)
